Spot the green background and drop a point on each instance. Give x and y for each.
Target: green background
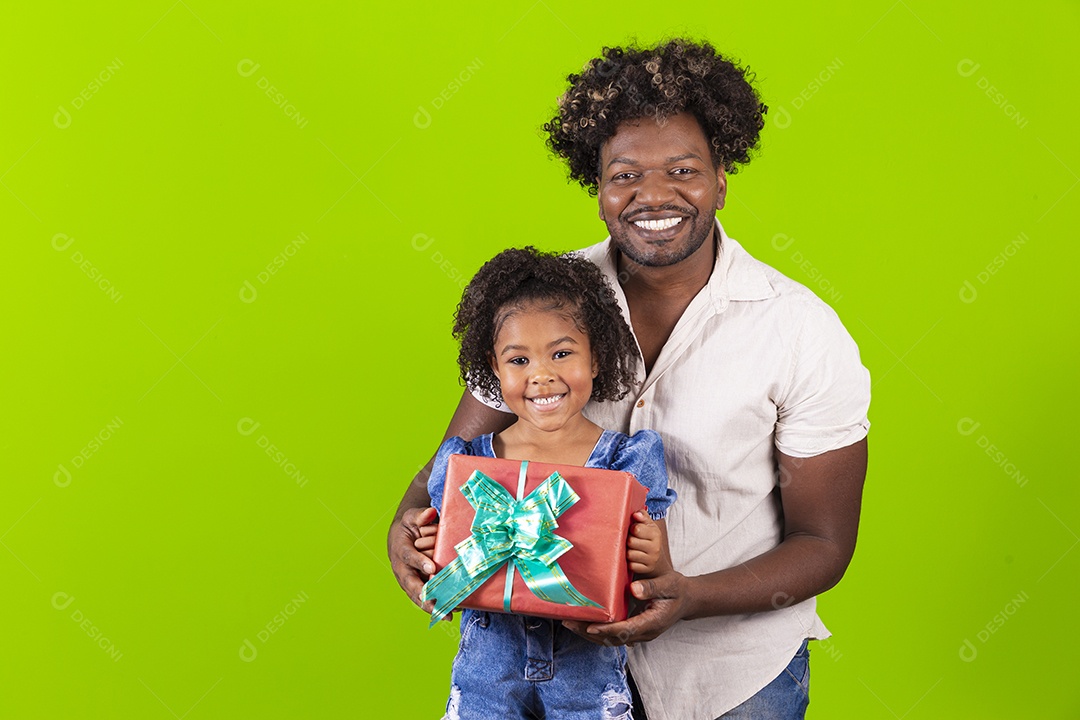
(196, 273)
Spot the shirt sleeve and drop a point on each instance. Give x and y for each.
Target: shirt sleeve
(643, 455)
(437, 479)
(828, 393)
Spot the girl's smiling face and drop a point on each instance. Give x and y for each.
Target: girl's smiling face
(545, 366)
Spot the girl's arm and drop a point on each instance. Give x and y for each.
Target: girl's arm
(647, 547)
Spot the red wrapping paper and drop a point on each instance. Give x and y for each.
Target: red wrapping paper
(597, 525)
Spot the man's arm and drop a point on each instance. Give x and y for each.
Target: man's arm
(821, 498)
(411, 567)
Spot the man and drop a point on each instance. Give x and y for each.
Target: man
(752, 381)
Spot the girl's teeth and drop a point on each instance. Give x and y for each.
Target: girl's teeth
(546, 400)
(658, 224)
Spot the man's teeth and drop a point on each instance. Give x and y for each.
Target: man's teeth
(546, 400)
(658, 224)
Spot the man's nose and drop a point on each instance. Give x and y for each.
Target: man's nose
(655, 189)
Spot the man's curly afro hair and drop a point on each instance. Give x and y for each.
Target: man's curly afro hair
(515, 279)
(631, 83)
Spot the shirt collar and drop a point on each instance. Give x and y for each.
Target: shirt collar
(736, 276)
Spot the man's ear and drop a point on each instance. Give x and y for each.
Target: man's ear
(721, 187)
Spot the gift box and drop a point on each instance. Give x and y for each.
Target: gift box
(551, 538)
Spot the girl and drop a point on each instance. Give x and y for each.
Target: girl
(544, 334)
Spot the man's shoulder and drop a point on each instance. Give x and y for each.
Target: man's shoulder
(596, 254)
(746, 271)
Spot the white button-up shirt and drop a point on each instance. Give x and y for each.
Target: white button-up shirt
(757, 363)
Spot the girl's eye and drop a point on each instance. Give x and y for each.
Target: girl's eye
(518, 361)
(559, 355)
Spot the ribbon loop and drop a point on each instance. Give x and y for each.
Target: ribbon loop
(518, 533)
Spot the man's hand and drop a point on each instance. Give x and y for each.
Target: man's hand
(412, 567)
(666, 602)
(821, 498)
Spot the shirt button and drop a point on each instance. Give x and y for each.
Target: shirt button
(641, 403)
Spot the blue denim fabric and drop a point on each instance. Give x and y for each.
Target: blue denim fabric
(785, 698)
(517, 666)
(643, 455)
(514, 666)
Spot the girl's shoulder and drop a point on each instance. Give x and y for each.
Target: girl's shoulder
(641, 441)
(480, 446)
(620, 451)
(642, 454)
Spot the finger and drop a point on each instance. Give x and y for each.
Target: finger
(428, 530)
(581, 629)
(411, 568)
(424, 543)
(641, 543)
(414, 518)
(617, 633)
(643, 589)
(657, 588)
(576, 626)
(428, 516)
(417, 561)
(413, 586)
(647, 625)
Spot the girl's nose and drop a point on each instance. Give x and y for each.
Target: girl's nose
(541, 374)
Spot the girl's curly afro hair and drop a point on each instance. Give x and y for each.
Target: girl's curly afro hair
(632, 83)
(514, 279)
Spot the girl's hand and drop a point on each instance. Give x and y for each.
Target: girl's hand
(644, 546)
(426, 542)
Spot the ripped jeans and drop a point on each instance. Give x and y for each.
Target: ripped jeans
(515, 666)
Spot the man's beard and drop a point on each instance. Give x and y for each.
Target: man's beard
(699, 232)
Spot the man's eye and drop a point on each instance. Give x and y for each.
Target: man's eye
(623, 176)
(682, 171)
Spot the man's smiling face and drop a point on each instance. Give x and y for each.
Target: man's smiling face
(659, 190)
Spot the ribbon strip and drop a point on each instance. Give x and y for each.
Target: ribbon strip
(517, 533)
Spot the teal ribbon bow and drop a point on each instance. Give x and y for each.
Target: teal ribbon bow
(518, 533)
